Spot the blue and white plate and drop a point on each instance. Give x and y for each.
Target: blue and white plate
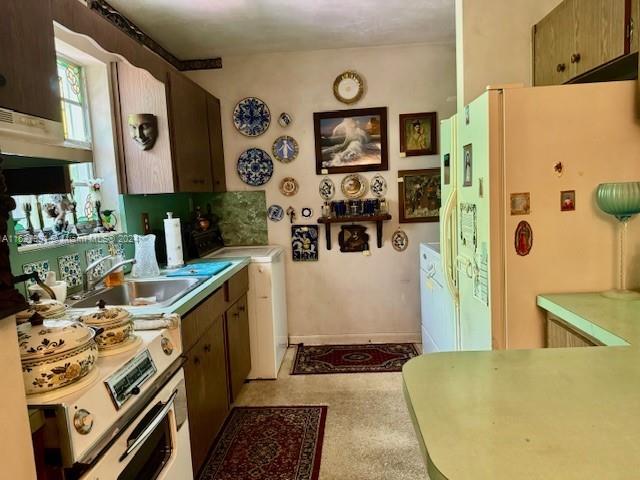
(275, 213)
(251, 117)
(285, 149)
(327, 189)
(255, 167)
(378, 186)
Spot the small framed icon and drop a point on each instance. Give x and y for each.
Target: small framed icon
(567, 200)
(467, 157)
(521, 203)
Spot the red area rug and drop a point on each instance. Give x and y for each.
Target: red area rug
(268, 443)
(383, 357)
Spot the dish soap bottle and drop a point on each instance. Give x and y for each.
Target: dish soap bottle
(146, 263)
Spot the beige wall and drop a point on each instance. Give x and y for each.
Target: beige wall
(16, 453)
(494, 43)
(342, 297)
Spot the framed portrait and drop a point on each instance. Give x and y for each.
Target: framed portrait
(419, 195)
(567, 200)
(419, 134)
(467, 165)
(351, 140)
(521, 203)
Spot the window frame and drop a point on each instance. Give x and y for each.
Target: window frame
(86, 114)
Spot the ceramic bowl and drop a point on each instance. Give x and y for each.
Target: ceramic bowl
(55, 353)
(116, 324)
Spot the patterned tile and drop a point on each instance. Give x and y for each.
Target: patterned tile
(94, 254)
(42, 267)
(70, 270)
(116, 248)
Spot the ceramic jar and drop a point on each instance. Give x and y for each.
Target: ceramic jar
(48, 309)
(55, 353)
(116, 324)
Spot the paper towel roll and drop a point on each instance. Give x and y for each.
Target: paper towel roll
(173, 240)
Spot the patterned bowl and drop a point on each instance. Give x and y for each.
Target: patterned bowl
(55, 353)
(116, 324)
(622, 200)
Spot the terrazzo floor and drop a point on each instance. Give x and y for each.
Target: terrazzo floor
(368, 435)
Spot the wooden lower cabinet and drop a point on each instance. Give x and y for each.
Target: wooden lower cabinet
(239, 353)
(207, 396)
(561, 335)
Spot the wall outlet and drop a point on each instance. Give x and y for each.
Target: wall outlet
(146, 226)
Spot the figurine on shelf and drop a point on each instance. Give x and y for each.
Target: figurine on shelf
(109, 220)
(26, 208)
(58, 211)
(100, 227)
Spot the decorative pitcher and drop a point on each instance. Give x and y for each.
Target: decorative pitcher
(146, 263)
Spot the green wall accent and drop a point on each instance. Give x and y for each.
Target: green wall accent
(243, 221)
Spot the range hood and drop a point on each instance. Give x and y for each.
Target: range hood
(27, 141)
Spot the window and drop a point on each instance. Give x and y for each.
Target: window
(77, 130)
(75, 108)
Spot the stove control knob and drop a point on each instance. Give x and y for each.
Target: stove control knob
(83, 422)
(167, 346)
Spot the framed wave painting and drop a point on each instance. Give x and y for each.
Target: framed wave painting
(351, 140)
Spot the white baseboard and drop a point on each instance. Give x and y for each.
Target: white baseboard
(355, 338)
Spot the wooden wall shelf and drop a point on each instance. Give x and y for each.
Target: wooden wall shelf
(378, 219)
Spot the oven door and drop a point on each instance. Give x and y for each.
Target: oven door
(156, 443)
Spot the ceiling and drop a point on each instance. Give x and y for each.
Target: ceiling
(194, 29)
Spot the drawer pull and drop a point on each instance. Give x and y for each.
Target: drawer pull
(561, 67)
(575, 58)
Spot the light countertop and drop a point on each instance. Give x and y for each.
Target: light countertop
(535, 414)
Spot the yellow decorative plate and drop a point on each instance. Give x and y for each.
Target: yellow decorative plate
(348, 87)
(354, 186)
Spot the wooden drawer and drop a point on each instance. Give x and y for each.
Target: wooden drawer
(237, 286)
(198, 320)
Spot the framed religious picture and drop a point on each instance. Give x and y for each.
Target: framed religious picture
(467, 165)
(419, 195)
(350, 141)
(419, 134)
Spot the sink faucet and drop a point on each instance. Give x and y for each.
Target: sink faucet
(89, 281)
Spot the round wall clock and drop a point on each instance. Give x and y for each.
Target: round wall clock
(251, 117)
(255, 167)
(348, 87)
(285, 149)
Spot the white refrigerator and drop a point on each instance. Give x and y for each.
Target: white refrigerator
(535, 145)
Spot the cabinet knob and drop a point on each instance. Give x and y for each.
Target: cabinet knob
(575, 58)
(241, 308)
(196, 360)
(3, 80)
(561, 67)
(207, 348)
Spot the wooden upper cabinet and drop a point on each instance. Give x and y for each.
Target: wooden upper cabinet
(215, 144)
(28, 72)
(599, 33)
(553, 46)
(578, 36)
(190, 134)
(634, 26)
(144, 171)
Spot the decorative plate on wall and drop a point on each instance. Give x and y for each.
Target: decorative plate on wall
(348, 87)
(354, 185)
(285, 149)
(307, 212)
(251, 117)
(285, 119)
(378, 186)
(289, 186)
(400, 241)
(255, 167)
(327, 188)
(275, 213)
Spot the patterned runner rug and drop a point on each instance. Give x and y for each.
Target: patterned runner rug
(274, 443)
(384, 357)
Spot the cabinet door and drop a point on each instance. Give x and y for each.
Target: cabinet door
(559, 335)
(28, 71)
(215, 379)
(634, 31)
(599, 28)
(553, 44)
(190, 134)
(238, 346)
(196, 401)
(215, 144)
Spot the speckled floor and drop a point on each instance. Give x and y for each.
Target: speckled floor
(368, 436)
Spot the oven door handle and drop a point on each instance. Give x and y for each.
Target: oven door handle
(150, 427)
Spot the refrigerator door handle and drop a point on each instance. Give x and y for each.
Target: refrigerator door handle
(448, 267)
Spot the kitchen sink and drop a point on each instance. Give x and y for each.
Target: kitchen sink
(166, 291)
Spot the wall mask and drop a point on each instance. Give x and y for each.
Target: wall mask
(143, 128)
